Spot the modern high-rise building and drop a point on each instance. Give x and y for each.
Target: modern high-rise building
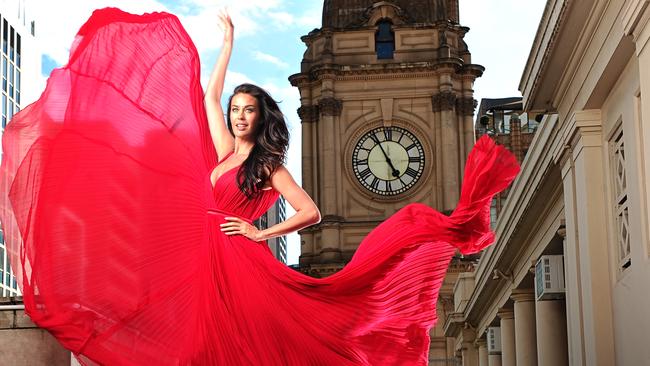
(274, 215)
(21, 73)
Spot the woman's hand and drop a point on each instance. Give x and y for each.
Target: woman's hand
(237, 226)
(225, 23)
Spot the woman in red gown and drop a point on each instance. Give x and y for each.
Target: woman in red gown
(113, 214)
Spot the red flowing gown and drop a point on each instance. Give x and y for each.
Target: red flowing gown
(111, 222)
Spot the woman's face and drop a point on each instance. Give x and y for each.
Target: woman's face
(244, 115)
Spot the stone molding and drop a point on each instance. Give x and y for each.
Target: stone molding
(443, 101)
(506, 313)
(582, 128)
(632, 15)
(522, 295)
(330, 106)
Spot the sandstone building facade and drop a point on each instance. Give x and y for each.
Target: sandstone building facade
(398, 72)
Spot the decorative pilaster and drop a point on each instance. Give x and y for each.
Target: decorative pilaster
(330, 110)
(466, 106)
(587, 255)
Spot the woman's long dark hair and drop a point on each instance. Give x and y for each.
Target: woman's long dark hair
(271, 141)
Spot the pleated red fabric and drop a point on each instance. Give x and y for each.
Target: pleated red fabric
(111, 222)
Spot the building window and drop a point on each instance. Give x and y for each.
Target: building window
(18, 49)
(621, 203)
(12, 40)
(5, 32)
(384, 40)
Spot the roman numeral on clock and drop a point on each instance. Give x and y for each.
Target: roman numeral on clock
(388, 134)
(365, 173)
(362, 162)
(411, 172)
(375, 183)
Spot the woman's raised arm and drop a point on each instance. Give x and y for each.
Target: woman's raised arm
(223, 141)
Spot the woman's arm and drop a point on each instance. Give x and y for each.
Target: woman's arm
(306, 211)
(221, 138)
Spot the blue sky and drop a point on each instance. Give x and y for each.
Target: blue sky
(268, 48)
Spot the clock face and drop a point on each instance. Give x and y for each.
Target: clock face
(388, 160)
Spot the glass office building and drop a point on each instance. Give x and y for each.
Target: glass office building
(18, 68)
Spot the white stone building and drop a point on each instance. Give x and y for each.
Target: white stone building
(580, 204)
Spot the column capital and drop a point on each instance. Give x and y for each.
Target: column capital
(308, 113)
(466, 105)
(443, 101)
(522, 295)
(330, 106)
(506, 313)
(582, 128)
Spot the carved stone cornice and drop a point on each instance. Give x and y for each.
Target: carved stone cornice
(443, 101)
(328, 70)
(466, 105)
(299, 80)
(308, 113)
(320, 270)
(330, 106)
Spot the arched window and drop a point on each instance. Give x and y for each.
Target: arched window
(384, 40)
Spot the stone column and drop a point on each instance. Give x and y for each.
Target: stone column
(494, 359)
(481, 344)
(468, 351)
(507, 317)
(525, 336)
(587, 251)
(550, 321)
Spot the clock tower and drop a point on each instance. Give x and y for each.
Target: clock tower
(386, 110)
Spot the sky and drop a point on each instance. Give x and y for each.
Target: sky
(268, 48)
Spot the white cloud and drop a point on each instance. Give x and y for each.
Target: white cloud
(261, 56)
(57, 24)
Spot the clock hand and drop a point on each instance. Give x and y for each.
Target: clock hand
(395, 172)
